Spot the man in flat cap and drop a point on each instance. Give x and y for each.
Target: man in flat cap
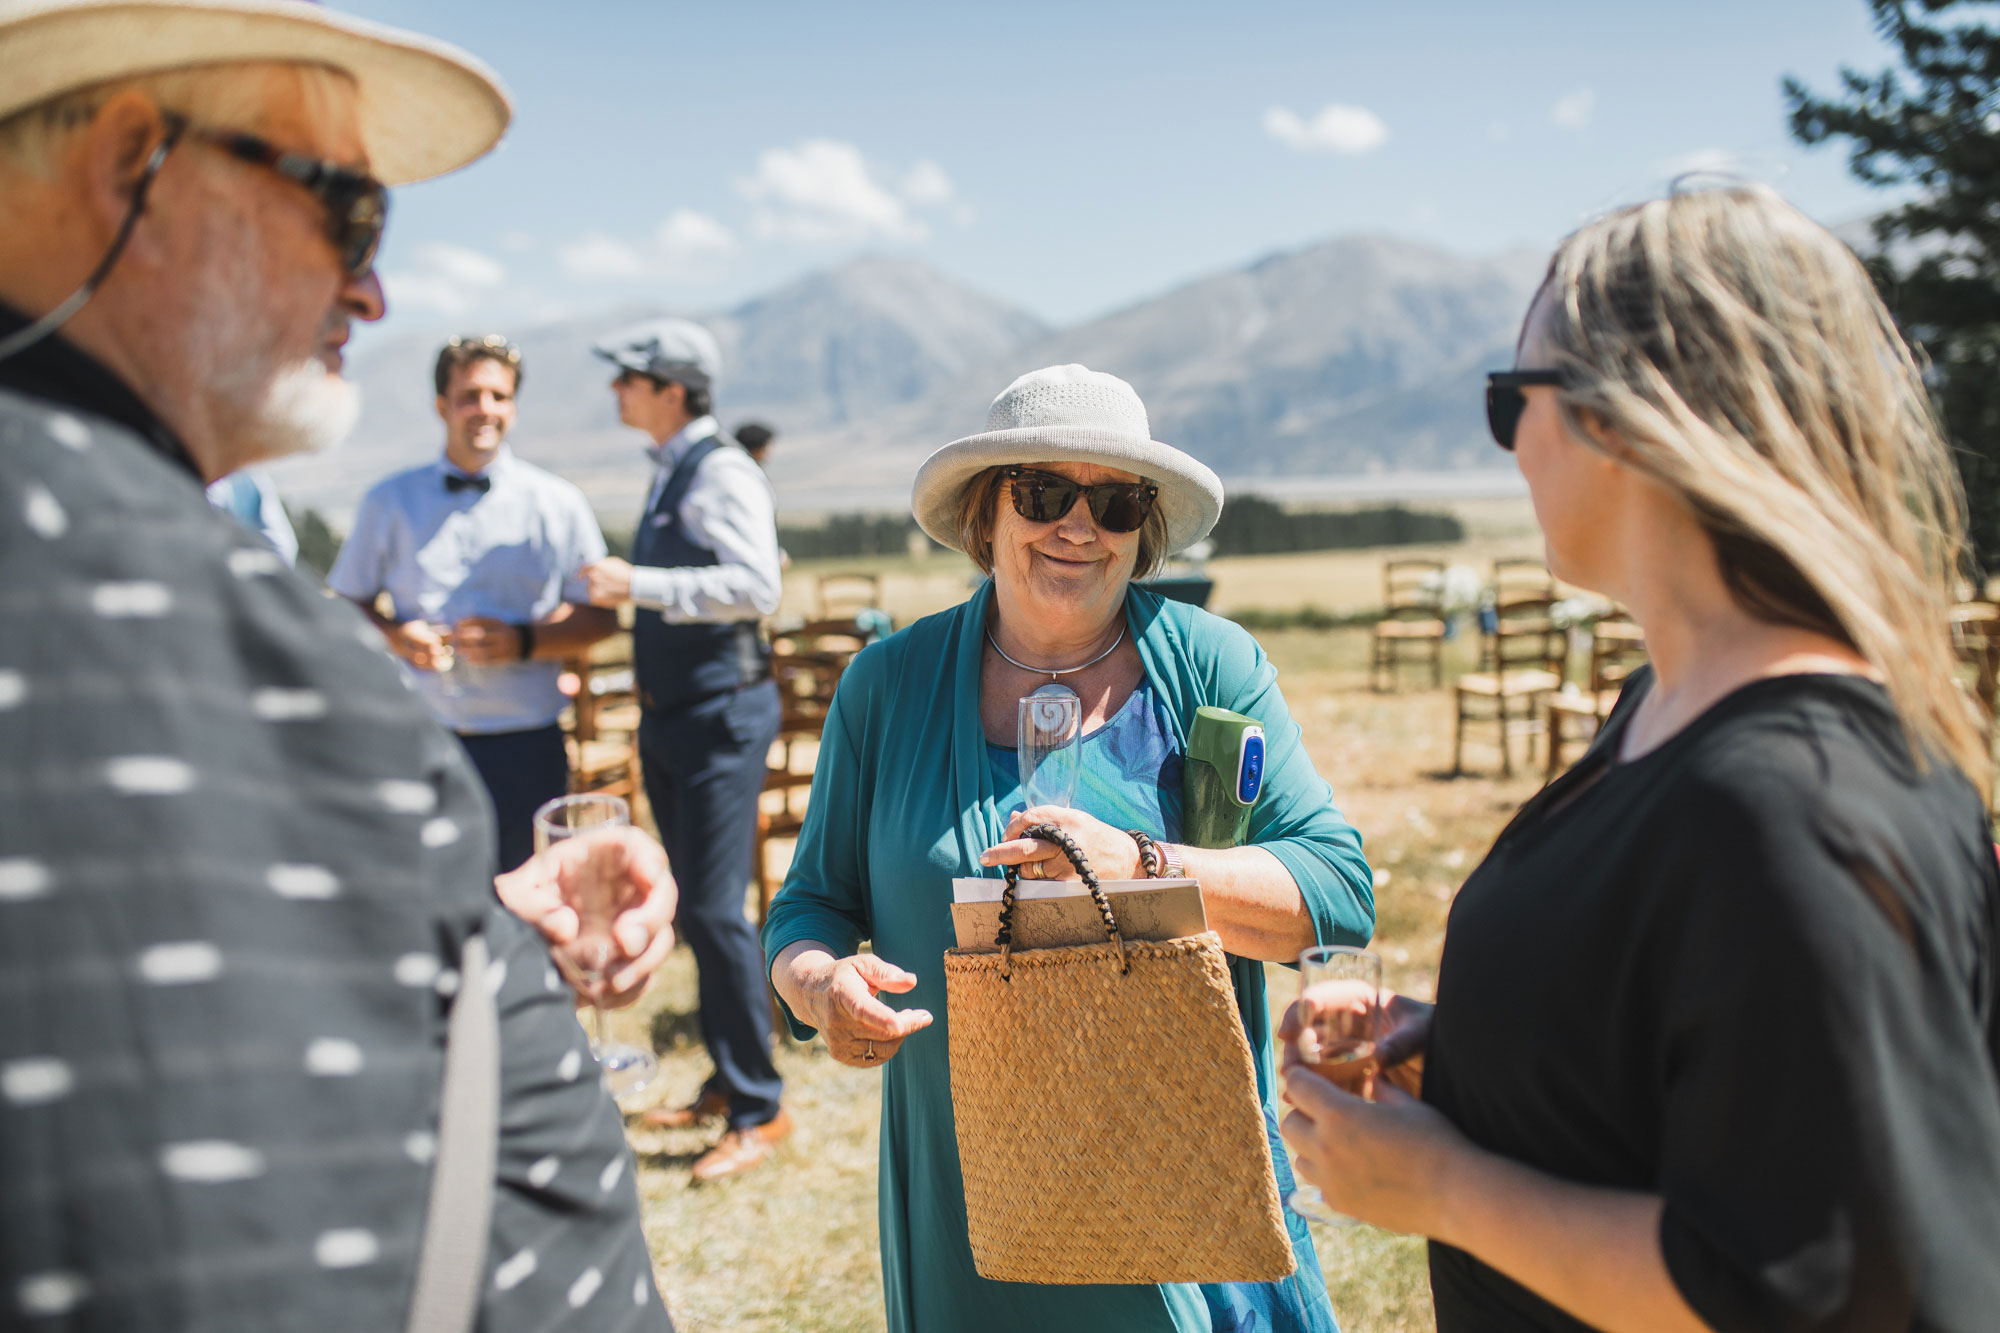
(704, 571)
(272, 1054)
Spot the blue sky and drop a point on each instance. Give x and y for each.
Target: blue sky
(1073, 158)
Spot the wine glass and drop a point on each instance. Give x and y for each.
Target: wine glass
(444, 661)
(1050, 749)
(596, 900)
(1346, 983)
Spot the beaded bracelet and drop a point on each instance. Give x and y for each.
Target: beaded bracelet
(1149, 852)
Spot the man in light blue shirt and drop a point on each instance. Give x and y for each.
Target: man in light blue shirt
(248, 496)
(480, 554)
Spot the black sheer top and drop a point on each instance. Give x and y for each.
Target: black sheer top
(1751, 971)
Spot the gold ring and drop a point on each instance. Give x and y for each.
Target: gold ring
(869, 1054)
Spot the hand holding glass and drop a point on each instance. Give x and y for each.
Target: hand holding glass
(1345, 986)
(596, 893)
(444, 658)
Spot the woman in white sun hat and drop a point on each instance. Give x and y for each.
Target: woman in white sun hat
(1064, 500)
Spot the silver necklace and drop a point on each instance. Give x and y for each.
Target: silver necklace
(1053, 672)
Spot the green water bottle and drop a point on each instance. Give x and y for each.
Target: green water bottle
(1222, 778)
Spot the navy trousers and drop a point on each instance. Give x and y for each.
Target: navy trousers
(704, 768)
(521, 770)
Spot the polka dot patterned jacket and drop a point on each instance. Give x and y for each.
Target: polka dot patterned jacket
(237, 864)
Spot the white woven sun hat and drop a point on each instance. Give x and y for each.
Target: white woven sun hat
(426, 107)
(1069, 414)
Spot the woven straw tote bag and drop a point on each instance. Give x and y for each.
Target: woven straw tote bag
(1107, 1114)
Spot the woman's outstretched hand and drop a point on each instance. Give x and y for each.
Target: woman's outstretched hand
(1112, 853)
(839, 997)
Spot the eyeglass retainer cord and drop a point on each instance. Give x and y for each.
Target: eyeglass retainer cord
(21, 340)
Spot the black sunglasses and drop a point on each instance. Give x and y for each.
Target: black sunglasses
(356, 204)
(1505, 402)
(494, 344)
(1044, 497)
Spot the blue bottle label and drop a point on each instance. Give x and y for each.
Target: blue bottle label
(1250, 773)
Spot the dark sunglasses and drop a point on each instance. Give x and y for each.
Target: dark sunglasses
(1505, 402)
(356, 204)
(493, 344)
(1044, 497)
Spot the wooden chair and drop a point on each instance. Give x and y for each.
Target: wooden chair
(1517, 577)
(1617, 649)
(1526, 651)
(603, 739)
(838, 637)
(806, 683)
(1413, 618)
(842, 595)
(1514, 580)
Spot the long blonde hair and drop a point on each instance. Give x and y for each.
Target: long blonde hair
(1737, 353)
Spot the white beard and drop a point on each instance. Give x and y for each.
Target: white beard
(307, 408)
(262, 408)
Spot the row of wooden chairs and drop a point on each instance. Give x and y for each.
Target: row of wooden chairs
(1412, 627)
(1570, 716)
(602, 724)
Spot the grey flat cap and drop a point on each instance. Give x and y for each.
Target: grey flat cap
(666, 349)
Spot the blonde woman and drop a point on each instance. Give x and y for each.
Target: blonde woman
(1715, 1036)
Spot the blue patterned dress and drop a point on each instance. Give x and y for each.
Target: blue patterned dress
(1131, 778)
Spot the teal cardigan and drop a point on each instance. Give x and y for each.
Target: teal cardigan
(903, 802)
(910, 705)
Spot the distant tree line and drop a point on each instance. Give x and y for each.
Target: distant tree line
(318, 542)
(846, 536)
(1252, 525)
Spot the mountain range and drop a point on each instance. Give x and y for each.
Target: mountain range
(1361, 355)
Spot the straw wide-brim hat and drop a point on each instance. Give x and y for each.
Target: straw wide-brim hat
(1069, 414)
(425, 107)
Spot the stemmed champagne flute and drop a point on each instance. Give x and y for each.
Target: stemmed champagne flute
(1346, 985)
(596, 901)
(1050, 749)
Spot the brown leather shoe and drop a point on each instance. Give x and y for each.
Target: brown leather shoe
(711, 1105)
(742, 1149)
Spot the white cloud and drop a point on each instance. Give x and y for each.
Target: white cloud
(1346, 130)
(689, 240)
(822, 191)
(1573, 111)
(926, 183)
(445, 278)
(687, 245)
(595, 255)
(1499, 131)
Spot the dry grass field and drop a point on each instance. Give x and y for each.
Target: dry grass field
(792, 1246)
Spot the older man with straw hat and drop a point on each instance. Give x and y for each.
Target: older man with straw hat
(271, 1053)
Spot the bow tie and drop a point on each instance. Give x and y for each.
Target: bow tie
(455, 483)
